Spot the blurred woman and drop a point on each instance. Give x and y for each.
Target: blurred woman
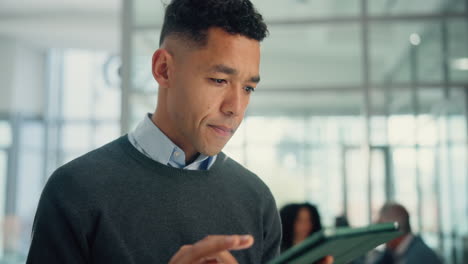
(299, 221)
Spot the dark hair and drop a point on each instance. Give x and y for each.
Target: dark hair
(288, 217)
(192, 18)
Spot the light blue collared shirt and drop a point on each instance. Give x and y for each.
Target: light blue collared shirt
(153, 143)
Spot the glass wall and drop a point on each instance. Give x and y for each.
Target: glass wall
(5, 143)
(361, 102)
(82, 113)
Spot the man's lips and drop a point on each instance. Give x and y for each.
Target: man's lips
(222, 130)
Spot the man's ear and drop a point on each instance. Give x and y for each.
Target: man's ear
(162, 59)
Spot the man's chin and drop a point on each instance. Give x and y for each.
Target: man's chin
(212, 150)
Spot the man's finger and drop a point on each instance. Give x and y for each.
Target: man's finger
(211, 245)
(245, 241)
(222, 257)
(226, 257)
(326, 260)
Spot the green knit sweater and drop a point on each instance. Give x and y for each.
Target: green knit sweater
(115, 205)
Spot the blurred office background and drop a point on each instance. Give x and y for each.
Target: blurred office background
(361, 101)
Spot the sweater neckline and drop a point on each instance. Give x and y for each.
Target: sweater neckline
(133, 152)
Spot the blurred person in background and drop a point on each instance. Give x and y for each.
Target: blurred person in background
(341, 221)
(299, 221)
(406, 249)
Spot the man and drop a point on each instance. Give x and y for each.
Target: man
(408, 248)
(165, 193)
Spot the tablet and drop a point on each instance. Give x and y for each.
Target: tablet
(344, 244)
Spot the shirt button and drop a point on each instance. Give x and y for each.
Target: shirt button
(176, 154)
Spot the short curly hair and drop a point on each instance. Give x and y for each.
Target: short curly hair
(191, 19)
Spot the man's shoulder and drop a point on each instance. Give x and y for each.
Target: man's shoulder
(420, 250)
(230, 165)
(110, 154)
(418, 243)
(243, 176)
(91, 168)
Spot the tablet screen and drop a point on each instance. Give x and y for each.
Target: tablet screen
(344, 244)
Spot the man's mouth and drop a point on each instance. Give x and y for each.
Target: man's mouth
(222, 130)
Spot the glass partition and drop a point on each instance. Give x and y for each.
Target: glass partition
(360, 103)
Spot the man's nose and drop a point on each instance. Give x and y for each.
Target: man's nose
(234, 102)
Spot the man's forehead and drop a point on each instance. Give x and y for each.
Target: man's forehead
(231, 70)
(230, 54)
(212, 35)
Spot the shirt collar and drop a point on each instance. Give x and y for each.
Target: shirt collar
(157, 146)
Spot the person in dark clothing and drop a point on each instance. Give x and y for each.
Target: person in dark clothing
(406, 249)
(341, 221)
(299, 221)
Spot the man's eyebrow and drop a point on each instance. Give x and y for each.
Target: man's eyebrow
(255, 79)
(223, 69)
(231, 71)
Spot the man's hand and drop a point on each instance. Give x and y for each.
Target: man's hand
(326, 260)
(212, 249)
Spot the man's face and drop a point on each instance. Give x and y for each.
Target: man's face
(209, 90)
(392, 244)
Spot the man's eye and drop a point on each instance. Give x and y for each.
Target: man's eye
(218, 81)
(249, 89)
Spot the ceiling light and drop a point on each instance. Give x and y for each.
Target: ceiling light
(460, 64)
(414, 39)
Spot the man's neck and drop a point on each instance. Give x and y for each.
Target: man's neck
(194, 157)
(158, 120)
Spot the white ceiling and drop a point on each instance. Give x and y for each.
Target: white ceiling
(294, 56)
(49, 5)
(64, 24)
(97, 24)
(321, 57)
